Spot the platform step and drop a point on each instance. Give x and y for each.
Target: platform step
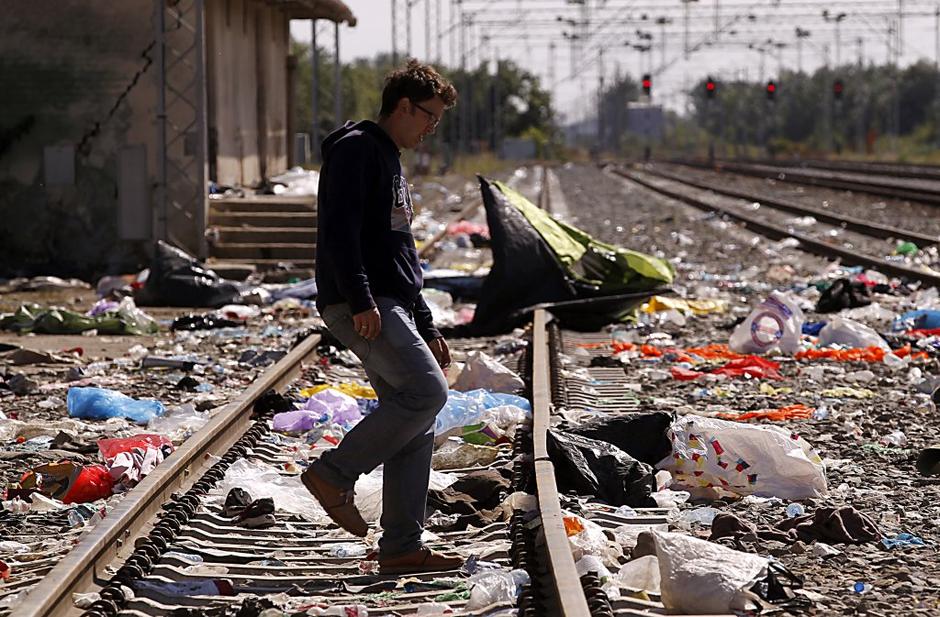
(263, 203)
(265, 235)
(263, 219)
(252, 252)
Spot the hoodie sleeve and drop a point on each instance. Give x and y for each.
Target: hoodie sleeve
(352, 166)
(424, 321)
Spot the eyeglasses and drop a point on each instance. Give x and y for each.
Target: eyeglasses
(434, 119)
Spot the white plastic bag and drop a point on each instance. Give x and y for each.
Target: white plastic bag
(698, 576)
(842, 331)
(641, 573)
(482, 371)
(369, 491)
(263, 480)
(743, 459)
(777, 322)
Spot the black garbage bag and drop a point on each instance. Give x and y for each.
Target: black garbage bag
(179, 279)
(843, 294)
(599, 469)
(524, 271)
(642, 436)
(538, 259)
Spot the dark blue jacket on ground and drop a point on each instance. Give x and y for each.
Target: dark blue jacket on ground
(364, 242)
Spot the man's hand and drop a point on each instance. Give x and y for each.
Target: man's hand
(368, 323)
(440, 352)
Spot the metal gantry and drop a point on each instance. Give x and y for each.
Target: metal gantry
(182, 144)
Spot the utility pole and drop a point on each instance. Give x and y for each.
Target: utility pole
(600, 100)
(900, 30)
(438, 37)
(394, 32)
(464, 117)
(551, 64)
(800, 35)
(685, 4)
(717, 22)
(408, 5)
(936, 37)
(337, 81)
(663, 22)
(427, 31)
(859, 42)
(314, 92)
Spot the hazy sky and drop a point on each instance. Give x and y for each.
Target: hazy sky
(524, 29)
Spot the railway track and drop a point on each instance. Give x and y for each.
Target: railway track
(684, 191)
(870, 182)
(168, 542)
(848, 222)
(897, 170)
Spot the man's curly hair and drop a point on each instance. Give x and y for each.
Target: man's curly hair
(417, 82)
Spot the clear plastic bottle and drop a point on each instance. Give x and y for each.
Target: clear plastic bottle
(348, 550)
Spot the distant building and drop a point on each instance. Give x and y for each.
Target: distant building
(116, 115)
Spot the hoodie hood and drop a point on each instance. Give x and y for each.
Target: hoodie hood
(363, 126)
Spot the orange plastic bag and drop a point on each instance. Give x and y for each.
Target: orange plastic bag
(790, 412)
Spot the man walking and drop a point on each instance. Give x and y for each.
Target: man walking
(369, 282)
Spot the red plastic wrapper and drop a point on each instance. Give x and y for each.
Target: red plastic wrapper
(110, 448)
(683, 374)
(755, 366)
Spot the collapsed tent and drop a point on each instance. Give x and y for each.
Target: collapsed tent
(538, 259)
(179, 279)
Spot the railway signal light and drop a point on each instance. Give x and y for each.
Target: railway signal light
(711, 88)
(647, 83)
(771, 90)
(837, 88)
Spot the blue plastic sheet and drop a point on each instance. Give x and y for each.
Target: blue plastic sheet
(100, 404)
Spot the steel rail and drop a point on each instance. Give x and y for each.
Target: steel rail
(919, 171)
(113, 538)
(567, 584)
(808, 244)
(849, 222)
(895, 190)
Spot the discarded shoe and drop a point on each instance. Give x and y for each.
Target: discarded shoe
(421, 560)
(338, 503)
(236, 502)
(260, 521)
(259, 514)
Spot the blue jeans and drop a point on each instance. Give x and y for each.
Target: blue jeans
(399, 433)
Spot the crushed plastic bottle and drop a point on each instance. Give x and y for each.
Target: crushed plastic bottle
(492, 586)
(76, 519)
(896, 438)
(348, 549)
(699, 516)
(821, 413)
(795, 509)
(625, 512)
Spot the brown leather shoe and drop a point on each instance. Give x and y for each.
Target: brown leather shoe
(421, 560)
(337, 502)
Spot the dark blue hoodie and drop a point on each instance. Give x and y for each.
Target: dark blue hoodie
(364, 244)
